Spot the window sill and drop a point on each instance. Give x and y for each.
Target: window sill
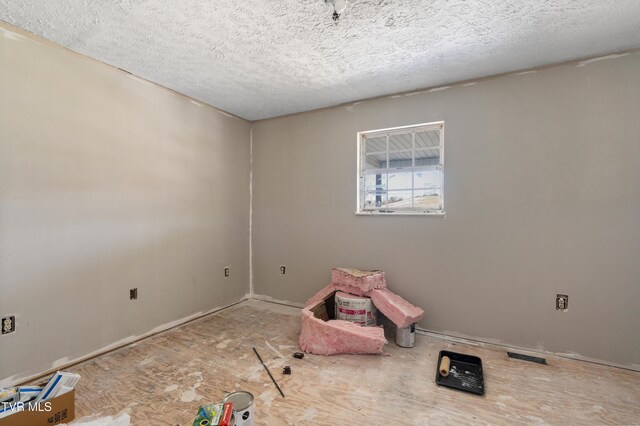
(434, 214)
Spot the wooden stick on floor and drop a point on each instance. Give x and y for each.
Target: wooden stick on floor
(268, 372)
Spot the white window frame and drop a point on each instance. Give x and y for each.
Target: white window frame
(437, 125)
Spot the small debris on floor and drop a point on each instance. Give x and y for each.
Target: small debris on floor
(287, 370)
(298, 355)
(268, 372)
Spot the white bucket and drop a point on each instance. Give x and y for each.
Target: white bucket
(242, 406)
(356, 309)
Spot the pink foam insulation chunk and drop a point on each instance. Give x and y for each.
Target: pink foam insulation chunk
(321, 295)
(343, 337)
(365, 280)
(394, 307)
(332, 288)
(338, 337)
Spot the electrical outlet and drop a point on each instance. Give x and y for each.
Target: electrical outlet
(283, 269)
(562, 302)
(8, 324)
(133, 294)
(227, 271)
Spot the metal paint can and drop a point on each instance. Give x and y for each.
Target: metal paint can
(242, 406)
(406, 337)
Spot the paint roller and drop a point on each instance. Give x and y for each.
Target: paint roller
(445, 362)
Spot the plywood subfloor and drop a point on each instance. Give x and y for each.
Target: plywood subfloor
(164, 379)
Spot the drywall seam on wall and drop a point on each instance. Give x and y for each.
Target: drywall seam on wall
(12, 32)
(251, 211)
(64, 363)
(461, 83)
(258, 76)
(601, 58)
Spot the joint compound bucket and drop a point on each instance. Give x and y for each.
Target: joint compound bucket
(406, 337)
(356, 309)
(242, 406)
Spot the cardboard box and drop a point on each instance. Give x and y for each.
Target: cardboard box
(325, 309)
(61, 409)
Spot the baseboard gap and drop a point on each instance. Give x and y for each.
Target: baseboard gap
(478, 342)
(81, 360)
(268, 299)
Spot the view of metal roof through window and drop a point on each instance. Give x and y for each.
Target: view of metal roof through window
(401, 170)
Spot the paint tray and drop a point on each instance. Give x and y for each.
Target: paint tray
(465, 373)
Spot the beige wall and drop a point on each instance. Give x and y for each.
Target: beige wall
(542, 194)
(108, 182)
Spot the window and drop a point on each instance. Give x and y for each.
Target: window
(400, 170)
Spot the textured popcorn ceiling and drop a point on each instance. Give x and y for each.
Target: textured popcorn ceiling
(263, 58)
